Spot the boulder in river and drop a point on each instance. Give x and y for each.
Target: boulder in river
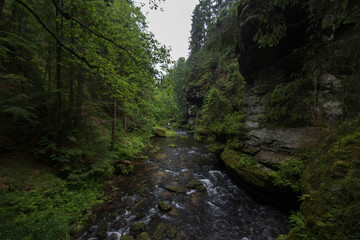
(143, 236)
(159, 231)
(126, 237)
(160, 132)
(171, 231)
(174, 188)
(137, 228)
(101, 234)
(164, 206)
(196, 184)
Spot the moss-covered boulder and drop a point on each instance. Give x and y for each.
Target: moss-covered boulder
(196, 184)
(171, 133)
(137, 228)
(174, 188)
(127, 237)
(159, 231)
(160, 132)
(164, 206)
(257, 178)
(171, 231)
(216, 148)
(163, 132)
(101, 234)
(143, 236)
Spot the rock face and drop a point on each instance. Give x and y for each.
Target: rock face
(269, 75)
(329, 88)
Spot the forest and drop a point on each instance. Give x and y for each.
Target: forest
(270, 86)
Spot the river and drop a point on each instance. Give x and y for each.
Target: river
(223, 211)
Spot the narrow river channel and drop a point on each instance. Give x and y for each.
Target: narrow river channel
(223, 211)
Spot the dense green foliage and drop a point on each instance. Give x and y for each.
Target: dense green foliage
(177, 75)
(330, 208)
(79, 89)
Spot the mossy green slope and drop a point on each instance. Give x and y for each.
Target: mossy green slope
(331, 183)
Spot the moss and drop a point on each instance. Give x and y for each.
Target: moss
(216, 147)
(137, 227)
(289, 174)
(247, 169)
(160, 132)
(331, 208)
(143, 236)
(171, 133)
(124, 169)
(126, 237)
(159, 231)
(163, 132)
(174, 188)
(171, 231)
(235, 143)
(196, 184)
(164, 206)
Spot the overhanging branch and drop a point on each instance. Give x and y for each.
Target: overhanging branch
(69, 17)
(54, 35)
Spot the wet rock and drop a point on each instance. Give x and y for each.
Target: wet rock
(270, 159)
(192, 110)
(113, 236)
(282, 139)
(159, 231)
(160, 132)
(196, 184)
(103, 227)
(137, 228)
(101, 234)
(171, 231)
(174, 188)
(164, 206)
(217, 148)
(251, 150)
(252, 109)
(179, 238)
(126, 237)
(143, 236)
(235, 143)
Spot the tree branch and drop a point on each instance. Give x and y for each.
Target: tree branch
(55, 37)
(69, 17)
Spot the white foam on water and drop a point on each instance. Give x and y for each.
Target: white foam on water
(191, 191)
(209, 185)
(177, 205)
(171, 172)
(216, 174)
(117, 234)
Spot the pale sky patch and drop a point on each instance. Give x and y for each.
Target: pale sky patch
(172, 25)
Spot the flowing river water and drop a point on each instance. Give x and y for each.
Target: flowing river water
(223, 211)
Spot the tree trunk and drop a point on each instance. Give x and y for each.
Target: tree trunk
(126, 122)
(79, 100)
(113, 125)
(1, 8)
(72, 77)
(58, 105)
